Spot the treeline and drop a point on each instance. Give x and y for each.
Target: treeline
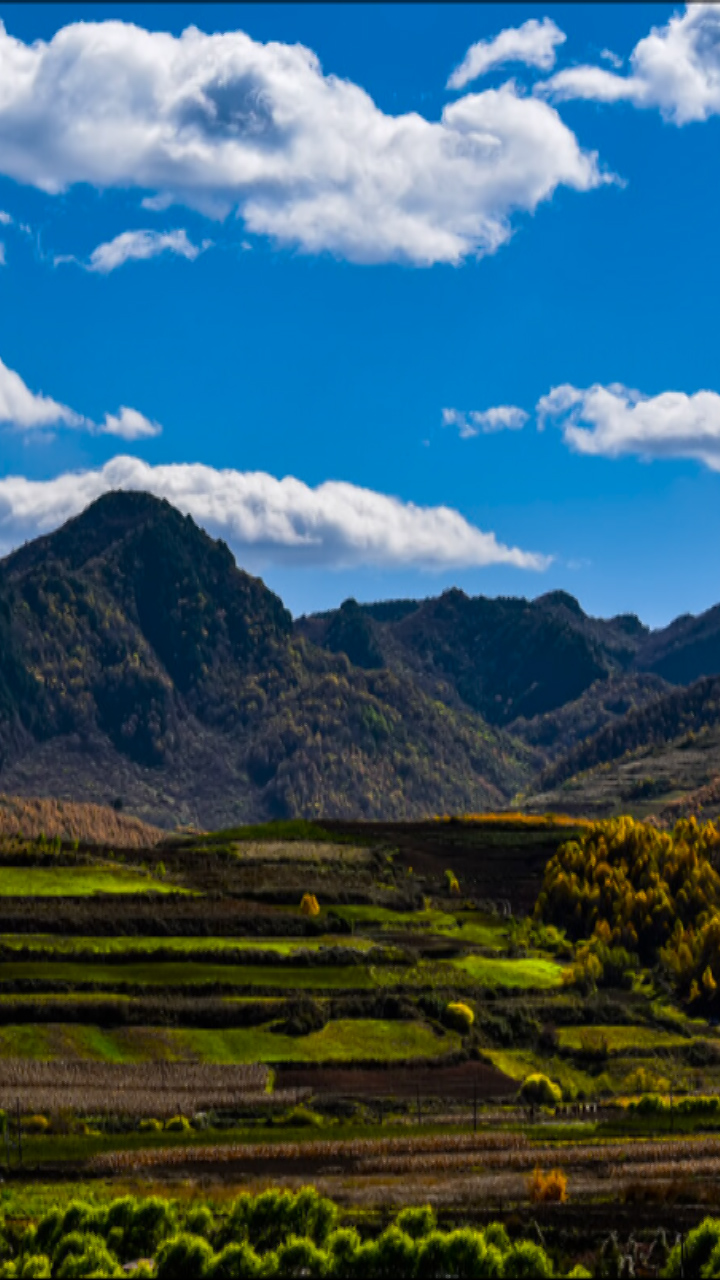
(626, 889)
(661, 721)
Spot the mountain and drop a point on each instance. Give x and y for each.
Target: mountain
(504, 658)
(140, 665)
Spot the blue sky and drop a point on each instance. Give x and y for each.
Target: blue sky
(547, 246)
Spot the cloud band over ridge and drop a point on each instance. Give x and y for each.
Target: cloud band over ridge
(270, 521)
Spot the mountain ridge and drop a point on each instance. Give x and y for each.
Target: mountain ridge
(139, 662)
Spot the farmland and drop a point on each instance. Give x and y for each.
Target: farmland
(365, 1016)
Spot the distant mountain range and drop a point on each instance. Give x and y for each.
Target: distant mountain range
(139, 665)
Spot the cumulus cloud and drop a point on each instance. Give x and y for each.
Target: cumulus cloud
(5, 219)
(129, 425)
(533, 43)
(140, 245)
(503, 417)
(614, 421)
(2, 254)
(266, 520)
(27, 410)
(222, 123)
(676, 68)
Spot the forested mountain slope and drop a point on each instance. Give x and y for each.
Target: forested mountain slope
(138, 662)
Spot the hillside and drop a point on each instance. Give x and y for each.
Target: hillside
(504, 658)
(138, 663)
(662, 758)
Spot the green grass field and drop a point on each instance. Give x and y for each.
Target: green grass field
(43, 882)
(526, 971)
(348, 1040)
(620, 1039)
(180, 974)
(146, 946)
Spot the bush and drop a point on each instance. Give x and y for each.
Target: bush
(417, 1222)
(267, 1220)
(178, 1124)
(309, 905)
(35, 1266)
(237, 1261)
(301, 1257)
(199, 1221)
(150, 1222)
(35, 1124)
(184, 1256)
(95, 1260)
(701, 1245)
(546, 1187)
(459, 1016)
(150, 1126)
(537, 1090)
(527, 1260)
(303, 1118)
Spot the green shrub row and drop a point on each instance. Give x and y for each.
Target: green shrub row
(274, 1234)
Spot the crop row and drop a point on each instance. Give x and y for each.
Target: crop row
(148, 1076)
(136, 1103)
(355, 1150)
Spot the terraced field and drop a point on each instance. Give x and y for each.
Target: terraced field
(209, 955)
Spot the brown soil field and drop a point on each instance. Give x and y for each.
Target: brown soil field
(497, 862)
(455, 1083)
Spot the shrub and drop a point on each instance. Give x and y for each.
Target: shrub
(150, 1222)
(545, 1187)
(526, 1259)
(451, 881)
(539, 1091)
(199, 1221)
(301, 1257)
(395, 1253)
(95, 1260)
(184, 1256)
(417, 1222)
(459, 1016)
(309, 905)
(150, 1126)
(343, 1247)
(35, 1266)
(178, 1124)
(496, 1235)
(237, 1260)
(303, 1118)
(35, 1124)
(700, 1246)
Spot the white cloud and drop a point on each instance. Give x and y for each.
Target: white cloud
(503, 417)
(5, 219)
(22, 408)
(142, 245)
(607, 55)
(129, 425)
(221, 123)
(613, 421)
(533, 43)
(266, 520)
(676, 68)
(2, 254)
(28, 411)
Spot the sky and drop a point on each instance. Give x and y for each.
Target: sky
(392, 298)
